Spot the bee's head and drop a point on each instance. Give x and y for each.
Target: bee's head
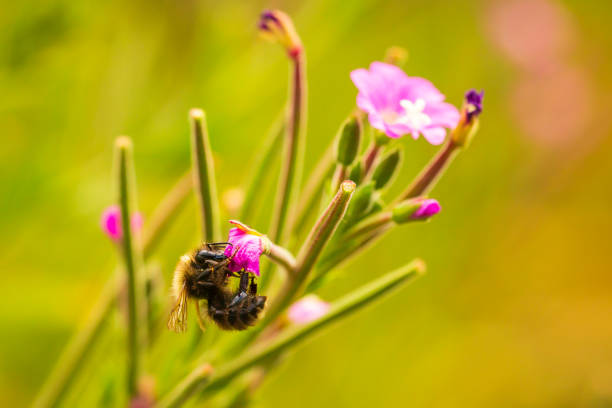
(203, 256)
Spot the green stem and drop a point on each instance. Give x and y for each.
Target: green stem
(78, 349)
(204, 176)
(282, 257)
(294, 151)
(132, 261)
(267, 155)
(366, 226)
(429, 176)
(340, 309)
(311, 250)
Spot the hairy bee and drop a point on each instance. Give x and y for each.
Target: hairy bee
(204, 274)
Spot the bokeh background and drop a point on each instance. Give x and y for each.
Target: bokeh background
(516, 309)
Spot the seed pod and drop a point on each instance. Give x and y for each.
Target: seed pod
(387, 168)
(349, 139)
(356, 172)
(362, 201)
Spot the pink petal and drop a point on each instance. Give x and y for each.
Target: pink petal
(416, 87)
(434, 135)
(442, 114)
(245, 251)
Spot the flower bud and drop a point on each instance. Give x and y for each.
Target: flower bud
(396, 55)
(349, 139)
(277, 26)
(416, 209)
(356, 172)
(307, 309)
(468, 122)
(110, 222)
(362, 201)
(387, 168)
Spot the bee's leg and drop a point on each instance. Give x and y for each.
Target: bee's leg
(242, 288)
(199, 316)
(253, 287)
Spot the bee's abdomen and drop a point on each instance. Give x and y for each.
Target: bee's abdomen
(240, 316)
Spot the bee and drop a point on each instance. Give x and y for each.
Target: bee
(204, 274)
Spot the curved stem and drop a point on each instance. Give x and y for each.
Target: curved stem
(282, 257)
(293, 157)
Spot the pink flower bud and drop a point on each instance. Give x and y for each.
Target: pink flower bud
(429, 207)
(111, 222)
(307, 309)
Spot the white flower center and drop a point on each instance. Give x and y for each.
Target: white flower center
(413, 115)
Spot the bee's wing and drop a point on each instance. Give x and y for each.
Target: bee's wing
(178, 315)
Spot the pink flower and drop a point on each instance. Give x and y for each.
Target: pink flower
(307, 309)
(398, 104)
(111, 222)
(247, 246)
(429, 207)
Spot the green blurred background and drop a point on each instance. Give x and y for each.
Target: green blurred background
(516, 309)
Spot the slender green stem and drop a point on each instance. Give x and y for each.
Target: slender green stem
(340, 309)
(204, 176)
(73, 356)
(293, 156)
(78, 349)
(265, 157)
(341, 254)
(282, 257)
(132, 261)
(340, 174)
(370, 157)
(368, 225)
(186, 388)
(429, 176)
(164, 213)
(311, 250)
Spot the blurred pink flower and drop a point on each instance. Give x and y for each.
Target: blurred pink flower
(554, 109)
(429, 207)
(247, 246)
(111, 222)
(534, 34)
(398, 104)
(307, 309)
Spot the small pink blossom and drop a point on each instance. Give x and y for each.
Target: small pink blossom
(398, 104)
(429, 207)
(247, 246)
(307, 309)
(111, 222)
